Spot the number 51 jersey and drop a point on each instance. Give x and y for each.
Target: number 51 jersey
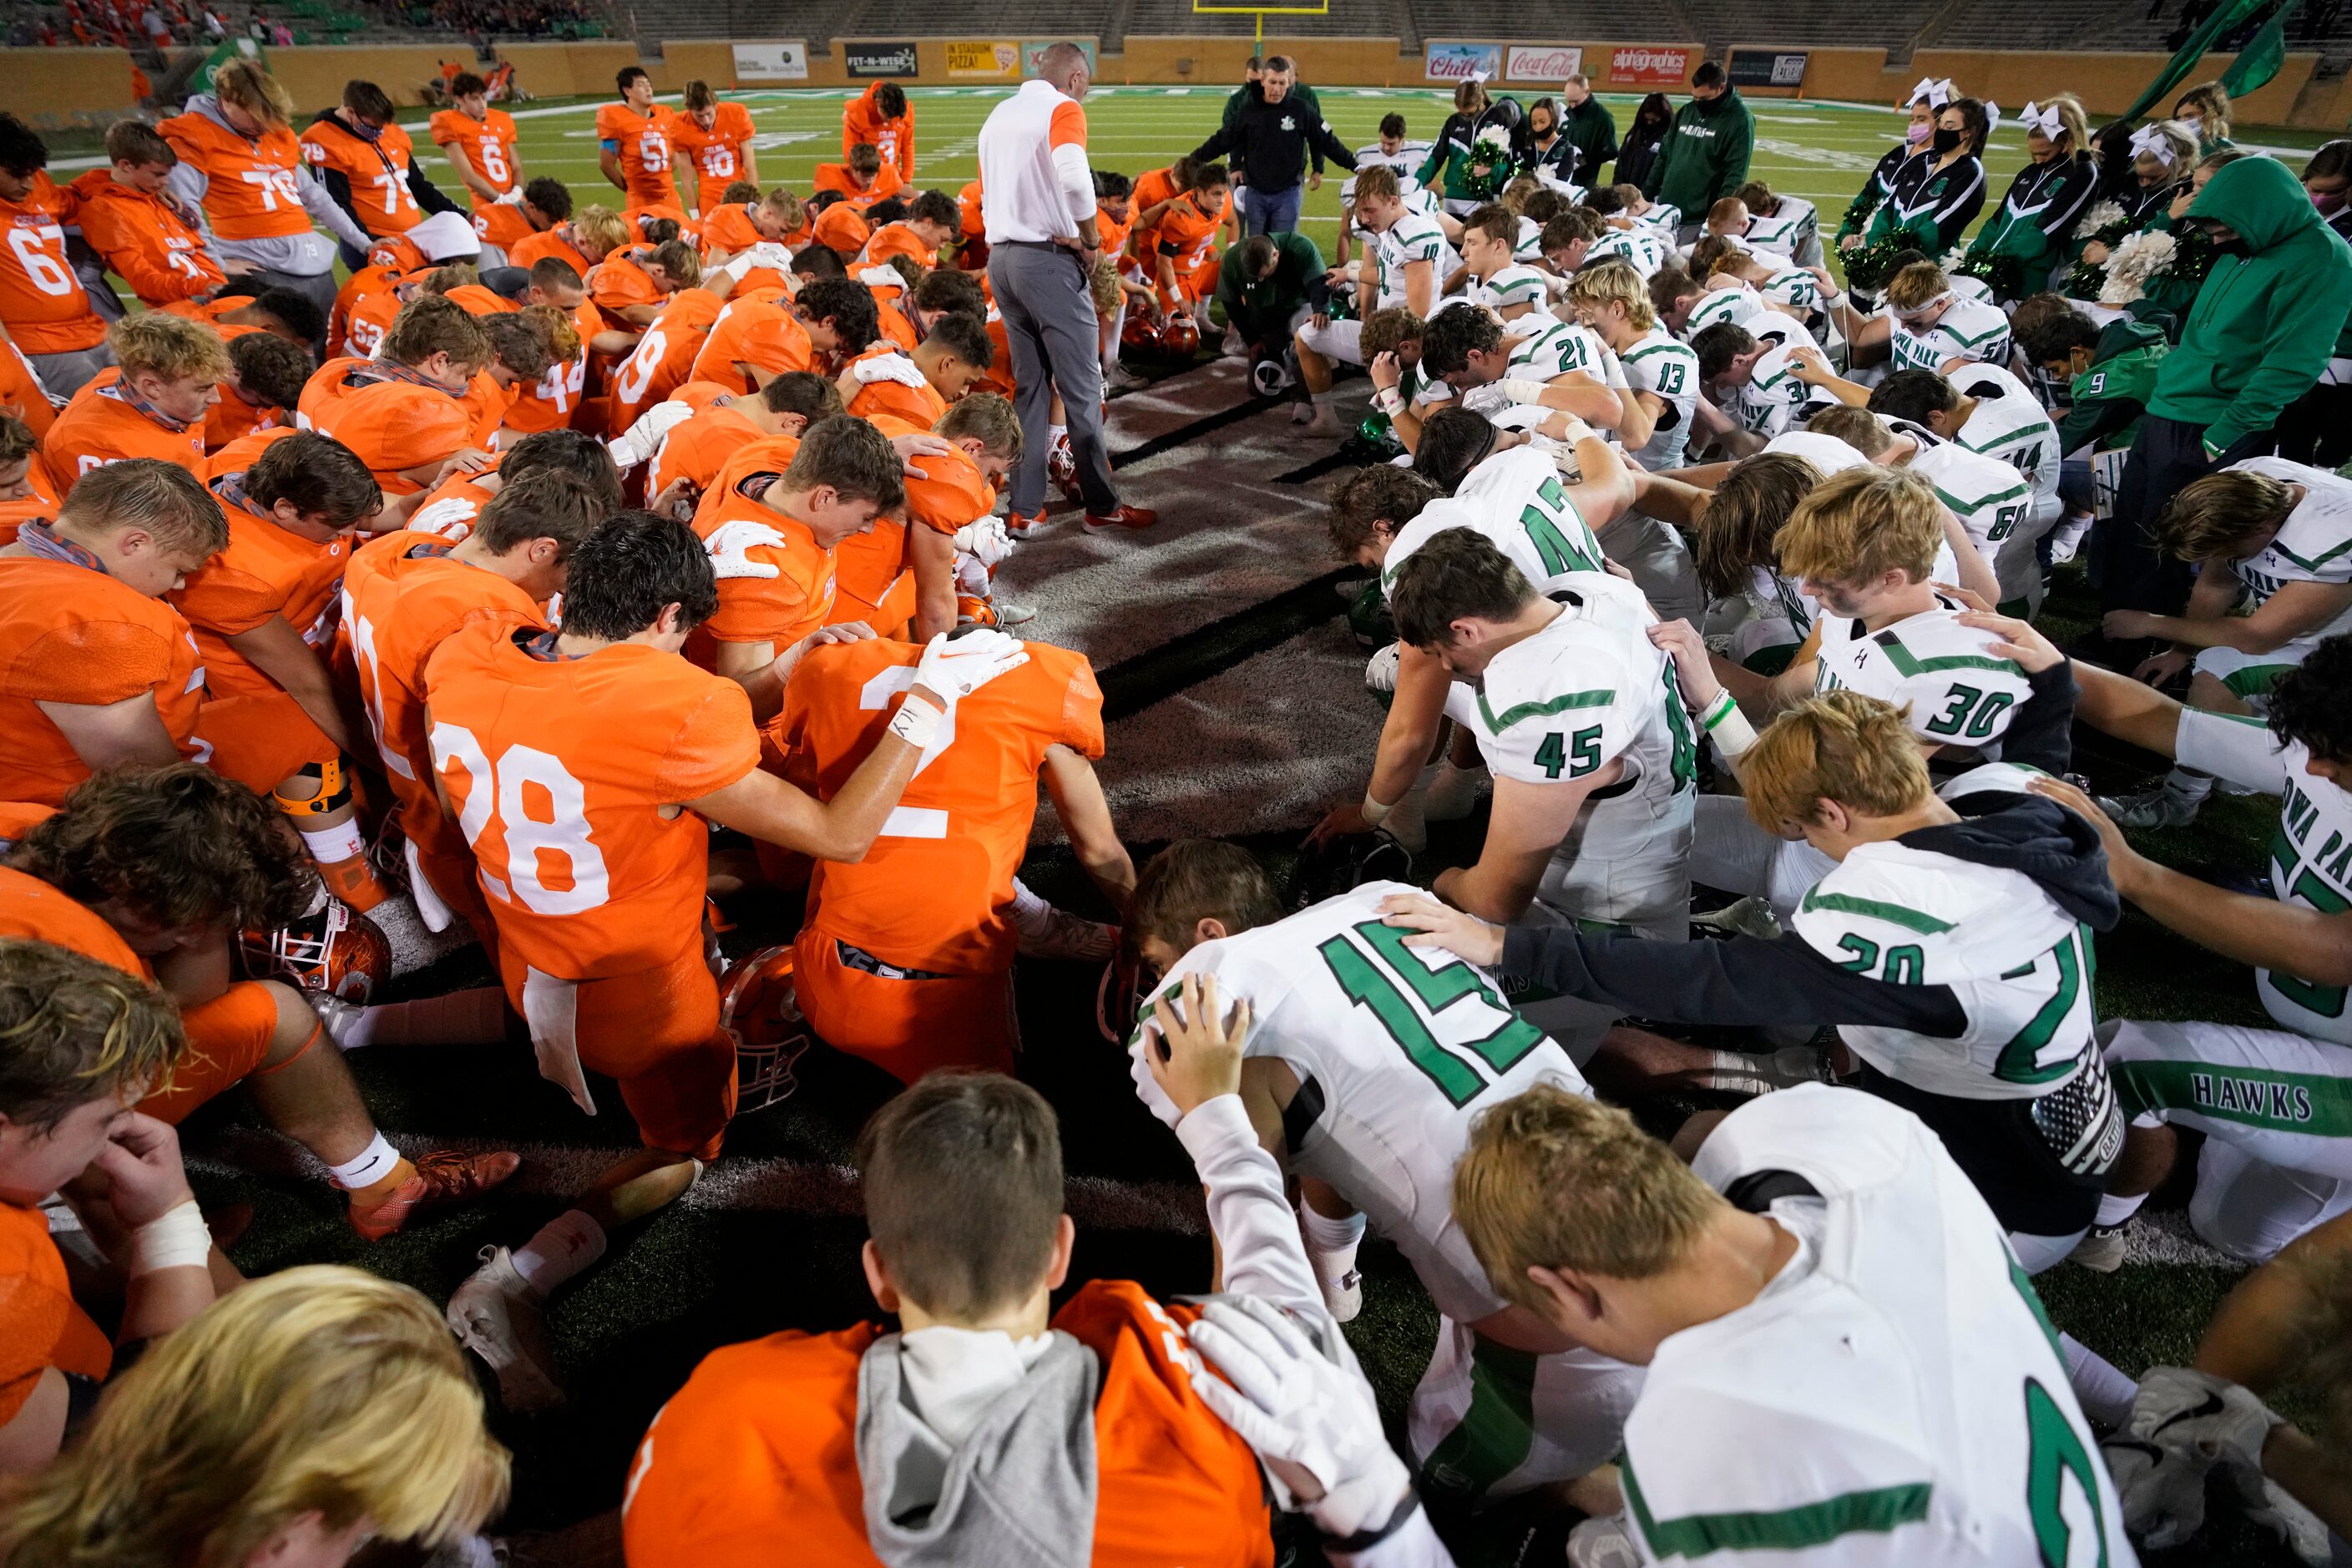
(1396, 1048)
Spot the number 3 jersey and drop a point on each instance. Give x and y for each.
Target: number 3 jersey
(1396, 1049)
(1895, 1395)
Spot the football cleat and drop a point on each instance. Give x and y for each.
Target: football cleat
(2103, 1249)
(1368, 615)
(496, 1315)
(1018, 523)
(756, 1006)
(1380, 670)
(334, 951)
(2157, 806)
(1346, 861)
(1123, 517)
(1343, 1298)
(1748, 916)
(443, 1177)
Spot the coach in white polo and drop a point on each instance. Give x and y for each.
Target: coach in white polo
(1037, 197)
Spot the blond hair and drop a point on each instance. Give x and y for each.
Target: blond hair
(434, 323)
(601, 226)
(153, 343)
(562, 334)
(1614, 282)
(678, 261)
(2071, 120)
(1554, 1180)
(1102, 286)
(1861, 524)
(2211, 99)
(785, 208)
(1916, 285)
(986, 417)
(2178, 137)
(73, 1029)
(2217, 517)
(243, 84)
(1840, 746)
(318, 1390)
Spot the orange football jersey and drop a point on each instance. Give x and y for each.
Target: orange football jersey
(448, 513)
(530, 251)
(728, 227)
(716, 155)
(617, 282)
(233, 416)
(145, 241)
(239, 454)
(391, 424)
(664, 358)
(644, 141)
(998, 376)
(101, 426)
(41, 1325)
(487, 146)
(404, 598)
(931, 893)
(266, 570)
(895, 322)
(887, 182)
(32, 910)
(968, 204)
(1189, 240)
(799, 599)
(20, 394)
(550, 402)
(696, 449)
(756, 329)
(894, 139)
(42, 303)
(367, 280)
(761, 1446)
(252, 185)
(70, 633)
(563, 771)
(898, 239)
(905, 394)
(377, 170)
(211, 313)
(840, 228)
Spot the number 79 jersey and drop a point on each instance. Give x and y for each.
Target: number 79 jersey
(1396, 1049)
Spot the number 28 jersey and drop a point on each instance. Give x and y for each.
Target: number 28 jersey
(1396, 1050)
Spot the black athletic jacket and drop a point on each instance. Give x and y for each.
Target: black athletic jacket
(1271, 142)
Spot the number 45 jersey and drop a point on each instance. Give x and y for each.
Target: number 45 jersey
(1396, 1050)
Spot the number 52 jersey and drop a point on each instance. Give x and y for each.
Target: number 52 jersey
(1396, 1050)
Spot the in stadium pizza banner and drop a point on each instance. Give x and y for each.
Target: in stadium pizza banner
(1542, 62)
(786, 61)
(1462, 62)
(879, 59)
(984, 60)
(1766, 68)
(1647, 65)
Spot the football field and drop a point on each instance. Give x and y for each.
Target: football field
(1236, 709)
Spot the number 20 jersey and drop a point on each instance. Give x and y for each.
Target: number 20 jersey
(1396, 1048)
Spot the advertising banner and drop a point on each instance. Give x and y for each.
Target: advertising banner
(1461, 62)
(786, 61)
(1033, 48)
(1766, 68)
(984, 60)
(1649, 65)
(1542, 62)
(866, 60)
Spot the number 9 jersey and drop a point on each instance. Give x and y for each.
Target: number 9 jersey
(1396, 1050)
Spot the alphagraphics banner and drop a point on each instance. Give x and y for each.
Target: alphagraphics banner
(984, 59)
(1462, 62)
(863, 59)
(771, 62)
(1542, 62)
(1647, 65)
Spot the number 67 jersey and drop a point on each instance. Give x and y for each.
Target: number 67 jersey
(1396, 1050)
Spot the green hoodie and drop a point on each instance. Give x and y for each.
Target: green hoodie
(1261, 308)
(1705, 157)
(2269, 312)
(2106, 399)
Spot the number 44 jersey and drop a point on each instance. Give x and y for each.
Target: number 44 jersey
(1396, 1050)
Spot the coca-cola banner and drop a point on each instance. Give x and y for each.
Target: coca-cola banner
(1650, 65)
(1462, 62)
(1543, 62)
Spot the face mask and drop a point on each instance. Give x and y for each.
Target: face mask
(1946, 139)
(1919, 132)
(2329, 202)
(366, 133)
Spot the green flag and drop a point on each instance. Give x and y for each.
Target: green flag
(2260, 60)
(2227, 16)
(237, 48)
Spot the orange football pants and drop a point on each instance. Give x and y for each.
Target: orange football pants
(906, 1028)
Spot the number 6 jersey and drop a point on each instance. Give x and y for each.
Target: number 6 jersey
(1396, 1049)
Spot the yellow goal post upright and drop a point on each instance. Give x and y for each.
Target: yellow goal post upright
(1200, 8)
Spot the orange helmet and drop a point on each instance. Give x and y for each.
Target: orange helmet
(756, 1006)
(1181, 337)
(334, 950)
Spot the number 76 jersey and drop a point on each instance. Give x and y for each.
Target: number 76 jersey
(1396, 1049)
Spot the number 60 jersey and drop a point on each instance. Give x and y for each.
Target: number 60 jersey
(1396, 1048)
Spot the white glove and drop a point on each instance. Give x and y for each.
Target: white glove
(513, 199)
(729, 545)
(2267, 1504)
(641, 440)
(1518, 389)
(1490, 399)
(2163, 1494)
(1603, 1543)
(956, 667)
(771, 254)
(1311, 1421)
(985, 539)
(886, 367)
(2197, 1413)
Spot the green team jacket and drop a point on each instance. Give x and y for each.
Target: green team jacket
(2105, 402)
(1706, 155)
(2269, 315)
(1592, 130)
(1260, 309)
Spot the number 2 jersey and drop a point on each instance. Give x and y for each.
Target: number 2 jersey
(1396, 1049)
(1895, 1395)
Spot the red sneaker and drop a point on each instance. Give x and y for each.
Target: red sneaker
(443, 1177)
(1124, 517)
(1018, 523)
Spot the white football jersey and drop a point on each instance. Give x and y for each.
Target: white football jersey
(1664, 216)
(2314, 543)
(1396, 1049)
(2311, 853)
(1515, 501)
(1415, 237)
(2010, 423)
(1994, 502)
(1794, 287)
(1642, 246)
(1960, 692)
(1895, 1397)
(1660, 365)
(1969, 329)
(1513, 284)
(1787, 230)
(1527, 244)
(1735, 303)
(1773, 401)
(2019, 965)
(1553, 348)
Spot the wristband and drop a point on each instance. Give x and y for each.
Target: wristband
(1521, 391)
(1374, 812)
(1390, 400)
(1577, 430)
(915, 721)
(177, 1238)
(1366, 1538)
(1718, 710)
(1728, 727)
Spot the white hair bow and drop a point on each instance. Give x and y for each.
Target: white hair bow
(1992, 116)
(2148, 141)
(1936, 91)
(2035, 117)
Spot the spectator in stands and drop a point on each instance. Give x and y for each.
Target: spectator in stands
(2026, 239)
(1586, 124)
(1704, 157)
(1273, 137)
(2205, 110)
(43, 305)
(2264, 327)
(881, 118)
(1643, 139)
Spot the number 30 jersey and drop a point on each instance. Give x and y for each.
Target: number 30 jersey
(1396, 1050)
(1960, 692)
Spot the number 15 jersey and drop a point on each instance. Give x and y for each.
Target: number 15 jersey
(1396, 1050)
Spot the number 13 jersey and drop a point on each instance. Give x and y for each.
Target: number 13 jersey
(1396, 1050)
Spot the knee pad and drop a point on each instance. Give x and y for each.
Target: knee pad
(334, 790)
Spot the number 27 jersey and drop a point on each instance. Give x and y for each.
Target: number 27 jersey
(1396, 1050)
